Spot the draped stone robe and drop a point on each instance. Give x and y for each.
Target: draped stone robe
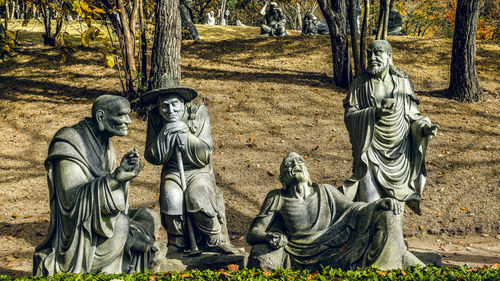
(89, 225)
(202, 194)
(390, 150)
(326, 228)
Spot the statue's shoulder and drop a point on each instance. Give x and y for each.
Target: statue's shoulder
(272, 202)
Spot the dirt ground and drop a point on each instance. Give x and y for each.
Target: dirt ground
(266, 97)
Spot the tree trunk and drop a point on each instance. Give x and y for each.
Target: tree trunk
(222, 11)
(166, 53)
(464, 84)
(144, 43)
(364, 31)
(299, 17)
(387, 11)
(336, 18)
(380, 30)
(354, 40)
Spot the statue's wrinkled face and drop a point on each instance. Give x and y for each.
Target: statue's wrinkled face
(115, 118)
(293, 169)
(379, 58)
(171, 107)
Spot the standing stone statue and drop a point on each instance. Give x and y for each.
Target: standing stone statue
(91, 226)
(189, 31)
(210, 18)
(275, 20)
(179, 138)
(388, 134)
(307, 225)
(312, 26)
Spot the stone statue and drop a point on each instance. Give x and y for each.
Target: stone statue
(189, 31)
(275, 20)
(395, 26)
(388, 134)
(312, 26)
(179, 138)
(91, 226)
(305, 225)
(210, 19)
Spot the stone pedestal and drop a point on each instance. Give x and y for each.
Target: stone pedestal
(207, 260)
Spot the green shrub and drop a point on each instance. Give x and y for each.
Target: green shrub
(413, 273)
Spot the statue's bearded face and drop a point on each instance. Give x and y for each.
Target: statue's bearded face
(378, 58)
(171, 107)
(115, 118)
(293, 170)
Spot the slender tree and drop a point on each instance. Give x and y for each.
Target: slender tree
(464, 84)
(335, 14)
(351, 12)
(166, 53)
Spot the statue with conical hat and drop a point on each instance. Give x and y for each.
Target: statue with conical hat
(179, 138)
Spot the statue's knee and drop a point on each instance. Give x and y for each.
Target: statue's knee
(122, 226)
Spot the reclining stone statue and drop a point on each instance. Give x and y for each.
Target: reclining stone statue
(311, 25)
(91, 226)
(179, 138)
(388, 134)
(275, 20)
(305, 225)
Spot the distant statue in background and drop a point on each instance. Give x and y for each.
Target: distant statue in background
(91, 226)
(311, 25)
(388, 134)
(210, 18)
(189, 31)
(275, 20)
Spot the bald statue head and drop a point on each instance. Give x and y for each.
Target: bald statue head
(379, 54)
(293, 170)
(111, 115)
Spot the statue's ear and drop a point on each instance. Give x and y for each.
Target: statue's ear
(99, 116)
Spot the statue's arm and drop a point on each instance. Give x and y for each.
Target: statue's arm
(282, 18)
(200, 147)
(72, 185)
(257, 232)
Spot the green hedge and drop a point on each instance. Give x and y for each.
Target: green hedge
(412, 273)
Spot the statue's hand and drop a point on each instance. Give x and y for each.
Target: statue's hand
(173, 127)
(276, 240)
(129, 168)
(390, 204)
(430, 129)
(387, 108)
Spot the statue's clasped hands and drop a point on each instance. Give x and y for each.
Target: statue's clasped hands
(129, 168)
(180, 129)
(276, 240)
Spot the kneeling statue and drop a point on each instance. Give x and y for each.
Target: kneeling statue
(91, 226)
(305, 225)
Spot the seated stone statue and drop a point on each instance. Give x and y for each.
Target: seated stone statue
(305, 225)
(275, 20)
(388, 134)
(91, 226)
(179, 138)
(312, 26)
